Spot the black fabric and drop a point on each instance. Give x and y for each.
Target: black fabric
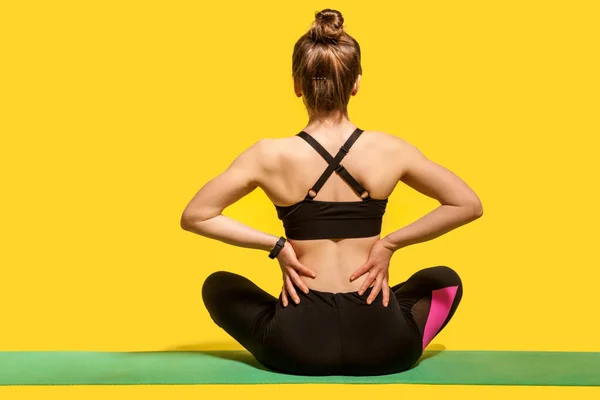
(334, 162)
(311, 219)
(315, 219)
(327, 333)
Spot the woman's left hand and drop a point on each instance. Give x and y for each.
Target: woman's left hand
(291, 267)
(377, 266)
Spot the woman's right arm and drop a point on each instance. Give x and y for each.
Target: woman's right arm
(459, 204)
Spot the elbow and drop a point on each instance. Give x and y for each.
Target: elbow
(188, 221)
(475, 209)
(185, 222)
(192, 219)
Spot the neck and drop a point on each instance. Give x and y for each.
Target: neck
(332, 121)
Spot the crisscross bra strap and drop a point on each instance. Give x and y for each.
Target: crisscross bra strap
(334, 163)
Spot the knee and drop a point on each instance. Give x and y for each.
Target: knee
(214, 283)
(217, 277)
(447, 275)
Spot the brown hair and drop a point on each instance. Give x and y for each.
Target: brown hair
(327, 52)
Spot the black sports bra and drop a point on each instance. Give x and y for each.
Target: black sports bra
(314, 219)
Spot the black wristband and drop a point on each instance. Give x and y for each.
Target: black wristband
(277, 248)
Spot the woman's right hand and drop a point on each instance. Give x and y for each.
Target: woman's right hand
(291, 267)
(377, 265)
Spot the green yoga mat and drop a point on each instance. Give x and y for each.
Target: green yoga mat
(240, 367)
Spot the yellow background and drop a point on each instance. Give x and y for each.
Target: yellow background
(114, 114)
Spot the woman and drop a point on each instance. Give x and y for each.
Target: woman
(336, 313)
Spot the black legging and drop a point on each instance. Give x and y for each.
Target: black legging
(335, 333)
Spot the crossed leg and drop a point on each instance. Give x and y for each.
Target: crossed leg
(430, 296)
(239, 306)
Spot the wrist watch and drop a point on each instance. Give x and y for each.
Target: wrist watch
(277, 248)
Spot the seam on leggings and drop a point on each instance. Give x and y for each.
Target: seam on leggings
(339, 318)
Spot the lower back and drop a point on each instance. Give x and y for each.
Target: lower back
(333, 260)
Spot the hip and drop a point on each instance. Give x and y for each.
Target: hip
(341, 332)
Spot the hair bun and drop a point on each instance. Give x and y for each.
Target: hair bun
(328, 26)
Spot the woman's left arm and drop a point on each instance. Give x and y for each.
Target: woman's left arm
(203, 214)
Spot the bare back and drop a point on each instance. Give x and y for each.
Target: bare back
(293, 169)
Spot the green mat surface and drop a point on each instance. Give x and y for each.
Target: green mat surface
(240, 367)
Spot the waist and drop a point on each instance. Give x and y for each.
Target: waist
(333, 261)
(337, 298)
(327, 284)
